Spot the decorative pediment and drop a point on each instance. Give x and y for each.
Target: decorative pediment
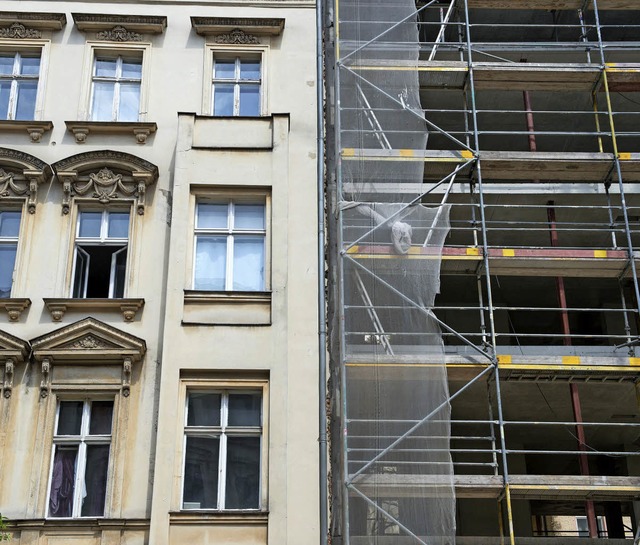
(20, 175)
(119, 28)
(12, 351)
(87, 342)
(250, 27)
(106, 176)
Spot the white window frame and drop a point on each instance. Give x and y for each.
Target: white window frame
(230, 232)
(31, 48)
(201, 385)
(117, 82)
(252, 51)
(81, 441)
(96, 50)
(102, 240)
(13, 241)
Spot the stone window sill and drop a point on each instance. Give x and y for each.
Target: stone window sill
(14, 307)
(199, 516)
(35, 129)
(139, 130)
(227, 307)
(128, 307)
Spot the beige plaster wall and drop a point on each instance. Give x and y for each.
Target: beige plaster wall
(286, 350)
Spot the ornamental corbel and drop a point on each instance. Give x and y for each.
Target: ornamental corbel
(33, 179)
(126, 376)
(67, 179)
(9, 367)
(142, 180)
(46, 377)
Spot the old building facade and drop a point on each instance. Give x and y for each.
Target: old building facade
(158, 272)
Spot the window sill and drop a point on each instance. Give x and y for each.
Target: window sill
(199, 516)
(226, 307)
(129, 307)
(14, 307)
(35, 129)
(82, 129)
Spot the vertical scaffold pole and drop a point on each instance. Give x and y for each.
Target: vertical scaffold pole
(485, 248)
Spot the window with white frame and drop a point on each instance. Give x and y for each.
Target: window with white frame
(116, 87)
(79, 469)
(9, 230)
(236, 88)
(100, 253)
(19, 74)
(222, 450)
(230, 245)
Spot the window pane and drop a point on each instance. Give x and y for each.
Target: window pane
(119, 273)
(245, 409)
(201, 473)
(102, 105)
(211, 263)
(63, 479)
(7, 263)
(250, 70)
(203, 409)
(6, 64)
(27, 91)
(101, 415)
(95, 480)
(5, 93)
(249, 216)
(248, 264)
(30, 66)
(243, 473)
(225, 69)
(249, 100)
(118, 225)
(222, 99)
(80, 273)
(106, 68)
(69, 418)
(129, 102)
(9, 224)
(132, 69)
(213, 216)
(90, 223)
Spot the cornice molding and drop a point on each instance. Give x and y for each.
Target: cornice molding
(106, 24)
(33, 20)
(254, 26)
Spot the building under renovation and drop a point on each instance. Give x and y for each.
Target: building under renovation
(484, 224)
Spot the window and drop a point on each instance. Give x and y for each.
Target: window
(100, 257)
(116, 86)
(222, 457)
(19, 85)
(230, 246)
(81, 445)
(9, 229)
(237, 86)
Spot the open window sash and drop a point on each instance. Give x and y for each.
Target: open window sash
(82, 260)
(118, 270)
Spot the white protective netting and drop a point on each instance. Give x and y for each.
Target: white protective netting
(398, 471)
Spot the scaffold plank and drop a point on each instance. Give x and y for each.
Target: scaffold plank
(551, 4)
(536, 76)
(490, 486)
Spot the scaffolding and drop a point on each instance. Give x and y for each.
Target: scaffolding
(485, 150)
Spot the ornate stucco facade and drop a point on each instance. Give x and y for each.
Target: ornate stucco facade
(158, 297)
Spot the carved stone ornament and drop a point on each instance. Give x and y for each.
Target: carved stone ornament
(236, 36)
(105, 186)
(9, 367)
(90, 342)
(10, 187)
(19, 31)
(119, 34)
(126, 376)
(46, 379)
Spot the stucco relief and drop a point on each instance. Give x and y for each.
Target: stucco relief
(119, 34)
(236, 36)
(19, 31)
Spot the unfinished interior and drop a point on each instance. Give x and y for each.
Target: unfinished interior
(484, 223)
